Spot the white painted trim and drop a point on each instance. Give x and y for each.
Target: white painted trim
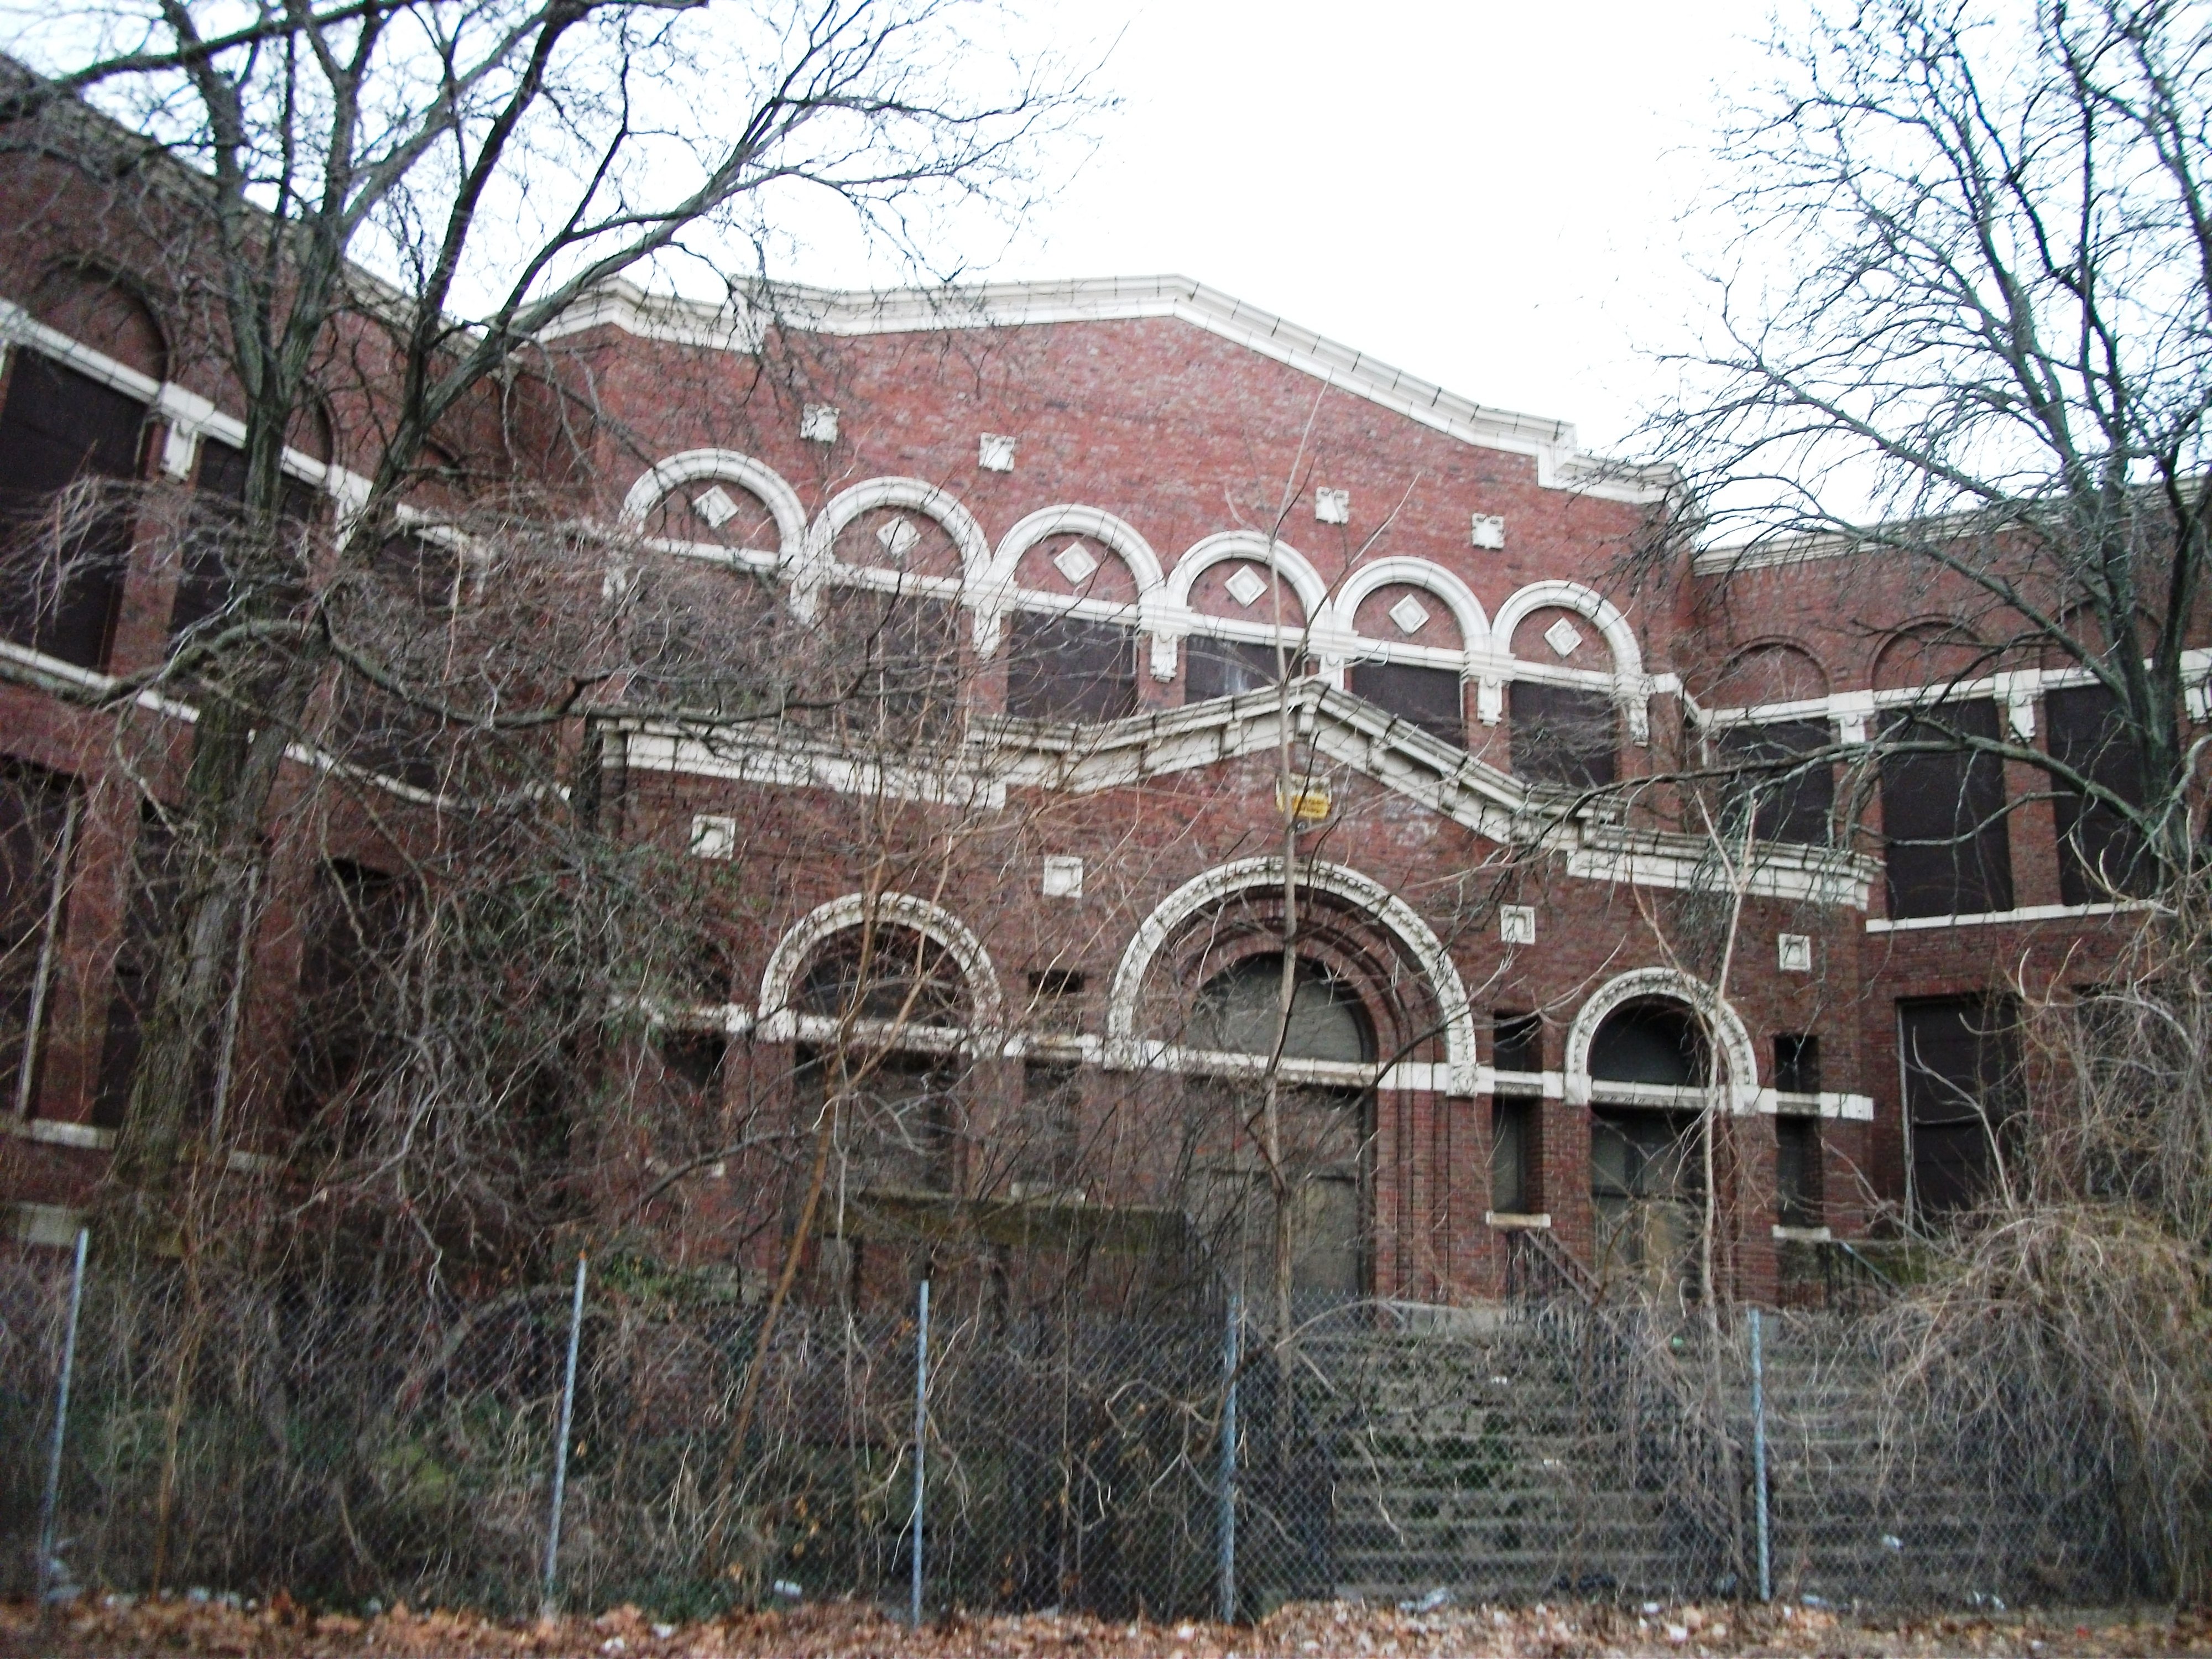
(997, 593)
(1425, 574)
(1988, 918)
(1507, 1221)
(1279, 554)
(1603, 614)
(55, 1225)
(727, 465)
(1124, 1048)
(187, 415)
(1782, 870)
(1856, 1108)
(797, 763)
(919, 495)
(779, 1021)
(741, 323)
(61, 1132)
(1742, 1058)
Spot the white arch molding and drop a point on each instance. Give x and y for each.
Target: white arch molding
(1277, 555)
(1124, 1049)
(1630, 687)
(728, 466)
(1430, 578)
(996, 589)
(917, 495)
(1726, 1025)
(780, 979)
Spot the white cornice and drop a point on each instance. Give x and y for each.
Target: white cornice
(741, 325)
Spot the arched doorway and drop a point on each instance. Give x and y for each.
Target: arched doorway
(1293, 1156)
(1650, 1066)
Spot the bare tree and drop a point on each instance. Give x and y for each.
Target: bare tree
(1956, 350)
(378, 210)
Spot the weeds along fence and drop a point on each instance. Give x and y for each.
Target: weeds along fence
(385, 1445)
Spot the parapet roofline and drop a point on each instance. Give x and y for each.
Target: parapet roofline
(741, 323)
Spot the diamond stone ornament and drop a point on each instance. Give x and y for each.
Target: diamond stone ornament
(898, 537)
(715, 506)
(1410, 614)
(1563, 637)
(1246, 587)
(1074, 561)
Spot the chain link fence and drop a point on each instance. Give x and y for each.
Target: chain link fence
(381, 1445)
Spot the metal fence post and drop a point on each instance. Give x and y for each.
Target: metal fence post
(1759, 1460)
(550, 1606)
(49, 1501)
(921, 1427)
(1225, 1524)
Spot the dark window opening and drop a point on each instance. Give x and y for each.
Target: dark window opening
(1943, 815)
(1048, 1156)
(1650, 1041)
(1240, 1012)
(1227, 668)
(1429, 697)
(1787, 802)
(37, 820)
(888, 664)
(1056, 983)
(1563, 734)
(1518, 1042)
(1961, 1089)
(1798, 1171)
(898, 974)
(1797, 1063)
(357, 930)
(693, 1059)
(1070, 668)
(56, 426)
(1513, 1135)
(148, 915)
(206, 582)
(897, 1116)
(2101, 854)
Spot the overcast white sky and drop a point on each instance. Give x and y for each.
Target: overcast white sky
(1484, 193)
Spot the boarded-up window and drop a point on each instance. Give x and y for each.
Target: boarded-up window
(887, 666)
(357, 927)
(1049, 1152)
(1961, 1088)
(1798, 1171)
(1227, 668)
(1518, 1042)
(1943, 814)
(898, 1118)
(56, 426)
(2100, 853)
(1069, 668)
(1788, 801)
(892, 974)
(206, 583)
(150, 913)
(37, 817)
(1797, 1063)
(1512, 1154)
(1563, 734)
(1240, 1011)
(1650, 1041)
(1429, 697)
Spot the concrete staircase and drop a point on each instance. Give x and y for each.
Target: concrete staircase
(1509, 1455)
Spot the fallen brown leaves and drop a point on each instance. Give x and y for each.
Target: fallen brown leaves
(282, 1630)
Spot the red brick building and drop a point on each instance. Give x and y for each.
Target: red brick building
(1113, 508)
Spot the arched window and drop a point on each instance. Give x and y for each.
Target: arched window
(898, 973)
(1239, 1011)
(1650, 1041)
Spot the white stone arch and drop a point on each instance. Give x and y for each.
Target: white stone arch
(1430, 578)
(917, 495)
(780, 979)
(1630, 689)
(1720, 1020)
(1604, 615)
(1305, 581)
(728, 465)
(1123, 1046)
(1070, 519)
